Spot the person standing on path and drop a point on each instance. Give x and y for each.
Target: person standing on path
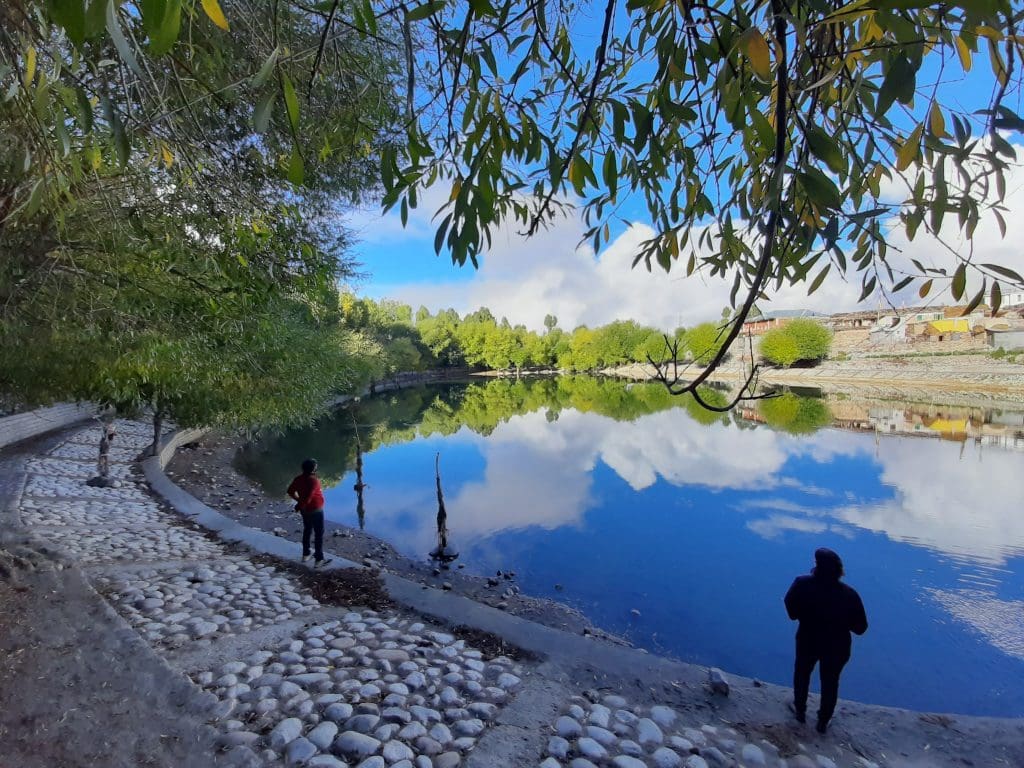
(103, 461)
(828, 611)
(309, 502)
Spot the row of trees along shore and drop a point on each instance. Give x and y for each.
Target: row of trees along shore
(173, 172)
(421, 340)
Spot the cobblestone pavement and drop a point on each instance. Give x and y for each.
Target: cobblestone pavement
(341, 687)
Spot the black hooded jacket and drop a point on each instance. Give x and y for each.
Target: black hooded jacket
(828, 611)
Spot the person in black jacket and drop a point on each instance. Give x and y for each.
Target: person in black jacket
(828, 611)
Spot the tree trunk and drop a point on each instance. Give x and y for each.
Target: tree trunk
(158, 428)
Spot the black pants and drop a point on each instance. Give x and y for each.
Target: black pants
(313, 523)
(830, 667)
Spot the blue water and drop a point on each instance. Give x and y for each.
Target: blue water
(702, 528)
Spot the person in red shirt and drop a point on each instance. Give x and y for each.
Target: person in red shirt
(309, 502)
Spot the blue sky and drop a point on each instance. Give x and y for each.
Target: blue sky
(525, 279)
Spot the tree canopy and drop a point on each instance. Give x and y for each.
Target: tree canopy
(798, 340)
(771, 142)
(166, 241)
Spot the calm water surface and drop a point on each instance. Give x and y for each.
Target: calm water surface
(630, 499)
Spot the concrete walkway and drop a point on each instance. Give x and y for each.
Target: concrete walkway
(286, 680)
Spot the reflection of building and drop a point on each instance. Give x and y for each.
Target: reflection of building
(987, 428)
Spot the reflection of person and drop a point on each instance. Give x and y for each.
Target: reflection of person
(309, 502)
(828, 611)
(103, 461)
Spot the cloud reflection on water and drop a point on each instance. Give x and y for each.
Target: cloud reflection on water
(539, 473)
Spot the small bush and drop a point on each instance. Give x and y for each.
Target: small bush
(998, 354)
(796, 341)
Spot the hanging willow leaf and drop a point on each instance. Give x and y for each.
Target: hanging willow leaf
(264, 110)
(959, 282)
(996, 297)
(124, 50)
(291, 101)
(296, 168)
(267, 69)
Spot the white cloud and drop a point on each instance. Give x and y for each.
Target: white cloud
(526, 278)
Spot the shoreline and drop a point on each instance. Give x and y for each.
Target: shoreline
(557, 688)
(218, 484)
(877, 735)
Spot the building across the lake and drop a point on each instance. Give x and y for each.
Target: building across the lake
(764, 322)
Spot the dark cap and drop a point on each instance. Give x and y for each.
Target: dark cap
(827, 563)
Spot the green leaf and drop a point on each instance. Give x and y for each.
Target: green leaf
(122, 145)
(826, 149)
(978, 298)
(898, 85)
(819, 279)
(959, 282)
(291, 101)
(441, 232)
(482, 8)
(820, 188)
(296, 168)
(903, 283)
(84, 110)
(996, 297)
(267, 69)
(610, 173)
(70, 14)
(95, 17)
(162, 39)
(427, 9)
(264, 110)
(117, 36)
(925, 288)
(1006, 272)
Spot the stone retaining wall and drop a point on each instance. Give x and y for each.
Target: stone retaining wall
(22, 426)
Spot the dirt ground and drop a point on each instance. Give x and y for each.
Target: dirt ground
(206, 471)
(78, 688)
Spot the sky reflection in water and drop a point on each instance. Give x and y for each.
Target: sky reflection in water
(702, 527)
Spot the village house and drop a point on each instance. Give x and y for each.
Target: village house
(757, 326)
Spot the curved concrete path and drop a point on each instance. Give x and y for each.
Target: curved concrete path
(284, 680)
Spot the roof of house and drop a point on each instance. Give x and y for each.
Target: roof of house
(951, 325)
(787, 313)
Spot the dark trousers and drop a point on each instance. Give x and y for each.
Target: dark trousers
(830, 667)
(313, 523)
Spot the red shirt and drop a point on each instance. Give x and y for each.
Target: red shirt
(307, 488)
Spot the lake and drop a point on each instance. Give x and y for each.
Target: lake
(633, 500)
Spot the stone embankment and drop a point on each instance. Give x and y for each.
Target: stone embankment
(286, 679)
(975, 374)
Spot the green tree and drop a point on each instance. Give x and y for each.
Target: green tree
(550, 323)
(166, 242)
(704, 342)
(766, 138)
(799, 340)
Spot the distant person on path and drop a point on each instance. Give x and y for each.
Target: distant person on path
(103, 461)
(309, 502)
(828, 611)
